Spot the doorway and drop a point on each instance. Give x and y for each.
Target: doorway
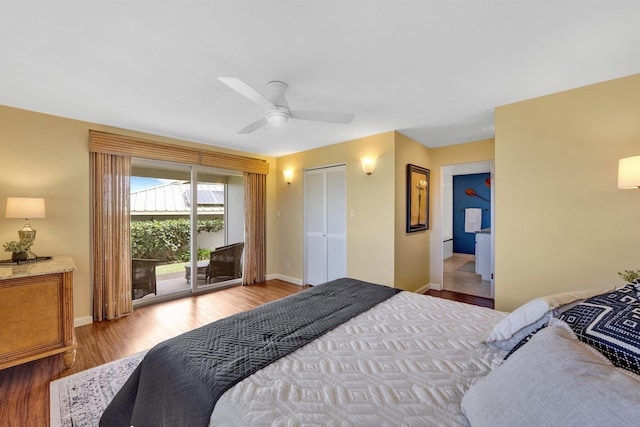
(467, 228)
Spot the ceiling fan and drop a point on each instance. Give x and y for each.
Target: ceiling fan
(278, 112)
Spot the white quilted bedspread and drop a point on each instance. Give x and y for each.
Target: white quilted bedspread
(407, 361)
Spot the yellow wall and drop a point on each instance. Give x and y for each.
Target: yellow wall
(378, 249)
(47, 156)
(561, 223)
(370, 234)
(445, 156)
(411, 249)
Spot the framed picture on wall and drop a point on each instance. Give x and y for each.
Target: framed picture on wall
(417, 198)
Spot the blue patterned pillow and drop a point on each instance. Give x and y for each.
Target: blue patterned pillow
(610, 323)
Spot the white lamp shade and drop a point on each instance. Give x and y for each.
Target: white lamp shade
(24, 207)
(629, 172)
(288, 175)
(368, 165)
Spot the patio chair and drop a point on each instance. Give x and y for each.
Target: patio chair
(143, 277)
(225, 263)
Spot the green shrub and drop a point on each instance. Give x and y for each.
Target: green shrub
(167, 240)
(203, 254)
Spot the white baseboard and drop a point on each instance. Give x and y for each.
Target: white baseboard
(81, 321)
(284, 278)
(435, 286)
(423, 289)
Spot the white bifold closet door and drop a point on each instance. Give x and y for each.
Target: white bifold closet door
(325, 224)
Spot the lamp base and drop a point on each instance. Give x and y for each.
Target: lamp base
(27, 232)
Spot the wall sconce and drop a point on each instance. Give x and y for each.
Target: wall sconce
(25, 208)
(288, 176)
(368, 165)
(629, 173)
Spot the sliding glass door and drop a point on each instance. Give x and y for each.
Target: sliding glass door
(180, 215)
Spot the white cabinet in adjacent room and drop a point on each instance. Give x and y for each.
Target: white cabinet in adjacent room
(483, 253)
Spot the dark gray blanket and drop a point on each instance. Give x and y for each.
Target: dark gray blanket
(180, 380)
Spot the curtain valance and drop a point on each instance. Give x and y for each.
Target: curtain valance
(120, 145)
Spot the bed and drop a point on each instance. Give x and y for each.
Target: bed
(405, 359)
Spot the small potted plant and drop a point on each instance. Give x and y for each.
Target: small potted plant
(630, 276)
(19, 250)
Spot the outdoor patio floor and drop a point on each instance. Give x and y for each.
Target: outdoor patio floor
(170, 283)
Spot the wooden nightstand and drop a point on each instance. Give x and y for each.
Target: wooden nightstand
(36, 312)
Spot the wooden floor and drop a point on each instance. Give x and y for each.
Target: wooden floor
(462, 281)
(460, 297)
(24, 389)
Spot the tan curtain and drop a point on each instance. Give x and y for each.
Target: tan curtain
(254, 266)
(111, 236)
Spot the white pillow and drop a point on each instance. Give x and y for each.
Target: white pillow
(554, 380)
(532, 315)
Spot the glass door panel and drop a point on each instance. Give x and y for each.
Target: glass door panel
(220, 233)
(160, 229)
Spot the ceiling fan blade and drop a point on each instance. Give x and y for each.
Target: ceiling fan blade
(253, 126)
(323, 116)
(246, 90)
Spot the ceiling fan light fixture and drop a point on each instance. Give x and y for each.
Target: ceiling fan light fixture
(277, 107)
(277, 118)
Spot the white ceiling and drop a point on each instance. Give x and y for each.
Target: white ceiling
(432, 69)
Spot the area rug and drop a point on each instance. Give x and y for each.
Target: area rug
(469, 267)
(79, 399)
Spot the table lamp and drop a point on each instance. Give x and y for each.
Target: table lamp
(26, 208)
